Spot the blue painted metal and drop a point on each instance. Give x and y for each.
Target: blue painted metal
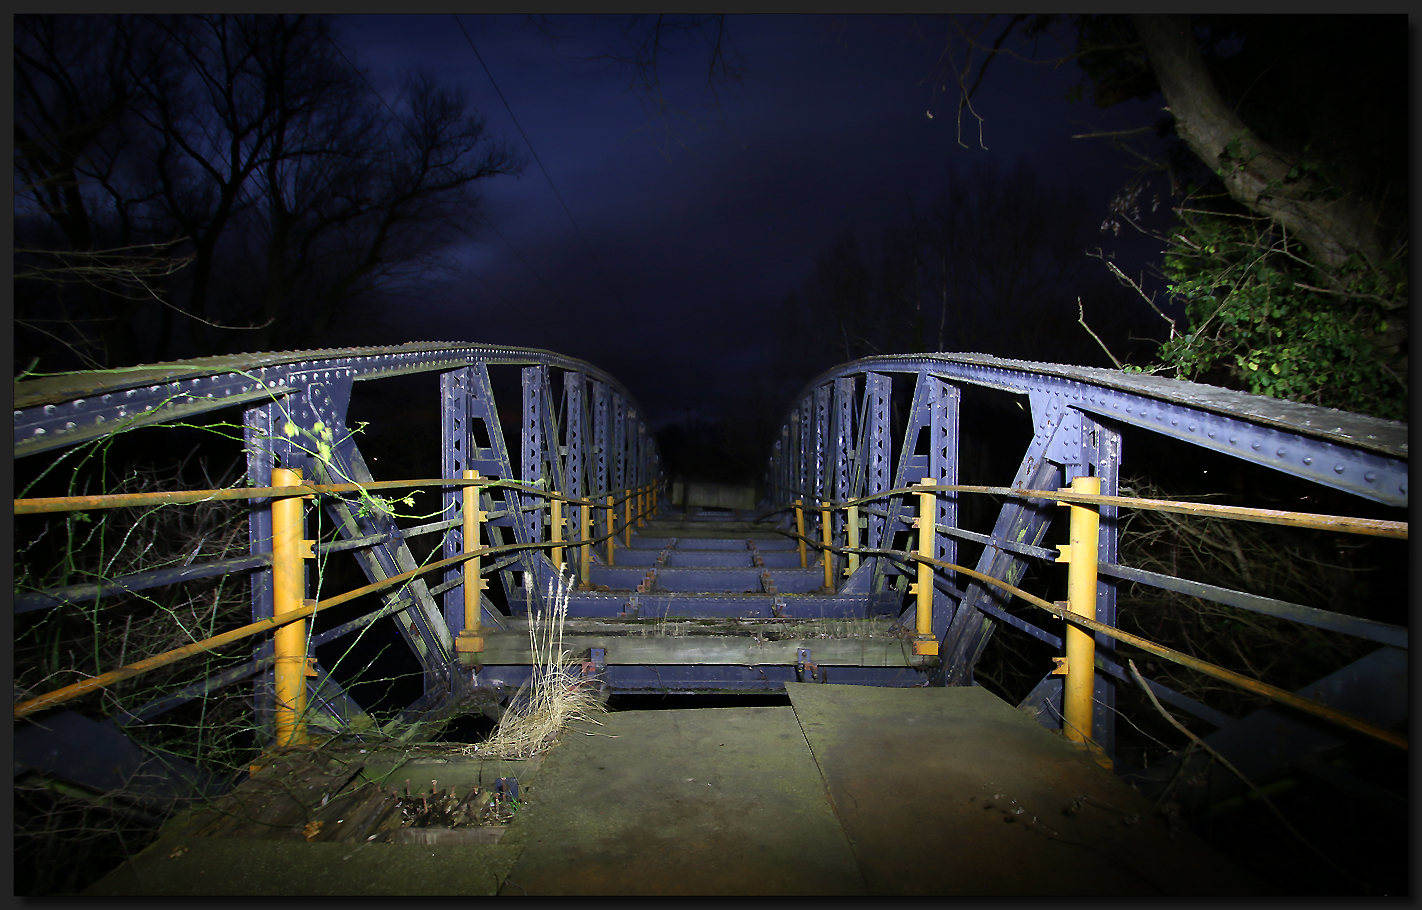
(97, 755)
(575, 468)
(831, 446)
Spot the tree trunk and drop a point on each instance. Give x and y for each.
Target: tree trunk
(1256, 175)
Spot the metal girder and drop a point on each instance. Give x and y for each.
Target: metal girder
(1374, 687)
(619, 444)
(602, 437)
(807, 448)
(99, 756)
(820, 476)
(934, 411)
(535, 435)
(1024, 521)
(575, 458)
(321, 413)
(876, 455)
(1355, 453)
(842, 437)
(468, 404)
(61, 411)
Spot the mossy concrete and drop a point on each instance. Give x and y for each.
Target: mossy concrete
(210, 867)
(953, 791)
(713, 801)
(854, 790)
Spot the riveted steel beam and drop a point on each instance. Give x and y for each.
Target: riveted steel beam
(1355, 453)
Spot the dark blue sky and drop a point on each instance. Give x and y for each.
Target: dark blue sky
(701, 232)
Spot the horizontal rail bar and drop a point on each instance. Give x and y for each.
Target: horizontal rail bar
(1274, 693)
(83, 687)
(1369, 526)
(1372, 630)
(140, 581)
(75, 690)
(177, 497)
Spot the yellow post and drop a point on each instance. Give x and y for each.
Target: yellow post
(641, 507)
(470, 639)
(825, 542)
(288, 593)
(852, 532)
(1081, 558)
(627, 519)
(611, 527)
(800, 529)
(585, 535)
(555, 526)
(925, 643)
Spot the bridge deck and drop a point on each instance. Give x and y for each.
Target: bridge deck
(854, 790)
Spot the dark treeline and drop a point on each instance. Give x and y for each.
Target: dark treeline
(193, 185)
(996, 264)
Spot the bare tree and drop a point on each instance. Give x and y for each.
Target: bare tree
(294, 187)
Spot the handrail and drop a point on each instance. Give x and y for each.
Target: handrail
(1312, 520)
(180, 497)
(83, 687)
(1063, 497)
(1318, 709)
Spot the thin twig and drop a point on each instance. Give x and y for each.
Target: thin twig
(1239, 774)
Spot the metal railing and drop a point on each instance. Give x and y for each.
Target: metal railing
(1079, 610)
(579, 432)
(290, 549)
(855, 446)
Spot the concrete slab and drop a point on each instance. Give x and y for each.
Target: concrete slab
(711, 801)
(953, 792)
(217, 867)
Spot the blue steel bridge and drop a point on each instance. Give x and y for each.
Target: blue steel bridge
(833, 576)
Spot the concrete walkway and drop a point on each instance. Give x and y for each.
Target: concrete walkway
(854, 790)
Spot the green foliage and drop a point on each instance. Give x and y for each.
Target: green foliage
(1276, 323)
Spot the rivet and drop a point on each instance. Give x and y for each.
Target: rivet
(1338, 469)
(1371, 476)
(1191, 426)
(1256, 445)
(1282, 450)
(1308, 459)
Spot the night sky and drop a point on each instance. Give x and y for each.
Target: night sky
(700, 232)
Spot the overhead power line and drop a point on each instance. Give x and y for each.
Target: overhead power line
(539, 161)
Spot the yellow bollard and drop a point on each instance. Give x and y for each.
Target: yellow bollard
(800, 530)
(288, 594)
(555, 527)
(1081, 558)
(611, 527)
(585, 535)
(470, 639)
(925, 643)
(641, 507)
(852, 532)
(627, 519)
(825, 542)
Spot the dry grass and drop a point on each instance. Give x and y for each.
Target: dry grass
(555, 695)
